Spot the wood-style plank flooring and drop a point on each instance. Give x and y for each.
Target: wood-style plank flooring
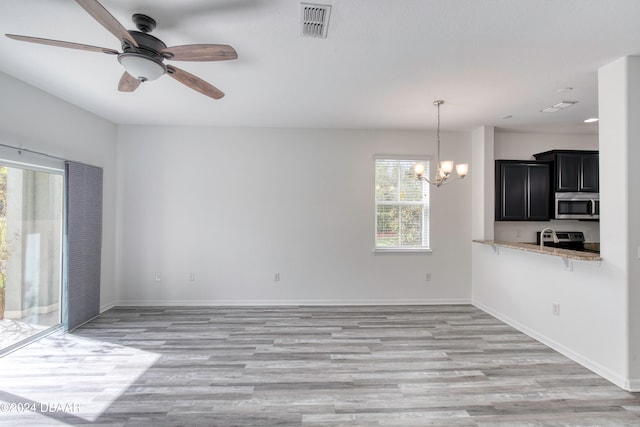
(303, 366)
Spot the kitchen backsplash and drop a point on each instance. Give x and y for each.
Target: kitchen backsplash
(524, 231)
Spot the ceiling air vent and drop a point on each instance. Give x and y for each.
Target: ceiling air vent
(314, 20)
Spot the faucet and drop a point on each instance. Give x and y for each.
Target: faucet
(553, 233)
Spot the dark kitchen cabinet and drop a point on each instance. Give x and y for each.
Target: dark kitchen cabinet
(523, 190)
(574, 170)
(589, 175)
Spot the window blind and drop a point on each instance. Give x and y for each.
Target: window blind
(83, 232)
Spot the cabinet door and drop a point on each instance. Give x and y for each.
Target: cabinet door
(589, 173)
(567, 172)
(512, 189)
(538, 193)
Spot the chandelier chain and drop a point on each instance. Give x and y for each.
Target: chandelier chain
(438, 103)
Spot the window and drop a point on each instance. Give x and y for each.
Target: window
(402, 205)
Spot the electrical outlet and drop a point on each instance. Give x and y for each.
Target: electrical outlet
(276, 277)
(555, 309)
(192, 277)
(427, 277)
(157, 277)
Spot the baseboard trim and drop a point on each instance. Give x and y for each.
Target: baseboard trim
(606, 373)
(106, 307)
(632, 385)
(308, 302)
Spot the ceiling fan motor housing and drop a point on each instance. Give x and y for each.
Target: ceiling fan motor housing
(147, 45)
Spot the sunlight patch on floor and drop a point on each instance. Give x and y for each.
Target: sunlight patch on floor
(45, 378)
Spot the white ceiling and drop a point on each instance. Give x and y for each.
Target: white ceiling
(381, 66)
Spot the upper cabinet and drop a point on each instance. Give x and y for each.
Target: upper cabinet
(522, 190)
(574, 170)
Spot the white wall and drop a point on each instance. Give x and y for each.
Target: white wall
(33, 119)
(633, 202)
(619, 105)
(234, 206)
(522, 146)
(483, 183)
(521, 287)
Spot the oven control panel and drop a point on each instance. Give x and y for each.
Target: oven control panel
(563, 236)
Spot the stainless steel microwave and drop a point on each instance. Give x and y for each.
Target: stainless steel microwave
(577, 205)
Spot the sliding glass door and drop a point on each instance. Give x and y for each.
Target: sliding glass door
(31, 228)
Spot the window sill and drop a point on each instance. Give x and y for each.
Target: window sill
(383, 251)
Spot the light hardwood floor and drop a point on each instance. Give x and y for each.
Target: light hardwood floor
(303, 366)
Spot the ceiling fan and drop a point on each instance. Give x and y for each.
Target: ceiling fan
(143, 55)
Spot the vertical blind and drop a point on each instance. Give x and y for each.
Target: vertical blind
(83, 232)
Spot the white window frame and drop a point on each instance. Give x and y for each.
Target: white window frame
(426, 247)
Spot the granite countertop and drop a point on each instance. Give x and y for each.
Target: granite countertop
(532, 247)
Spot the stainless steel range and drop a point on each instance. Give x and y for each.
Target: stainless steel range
(572, 240)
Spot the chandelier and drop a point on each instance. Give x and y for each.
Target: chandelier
(445, 168)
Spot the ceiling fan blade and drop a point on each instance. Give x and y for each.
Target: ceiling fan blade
(128, 83)
(195, 83)
(201, 52)
(107, 20)
(60, 43)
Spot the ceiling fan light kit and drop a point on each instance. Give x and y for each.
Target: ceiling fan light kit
(142, 67)
(143, 55)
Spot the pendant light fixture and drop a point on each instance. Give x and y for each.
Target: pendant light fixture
(444, 168)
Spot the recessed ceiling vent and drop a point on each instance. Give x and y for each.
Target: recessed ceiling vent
(559, 106)
(314, 20)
